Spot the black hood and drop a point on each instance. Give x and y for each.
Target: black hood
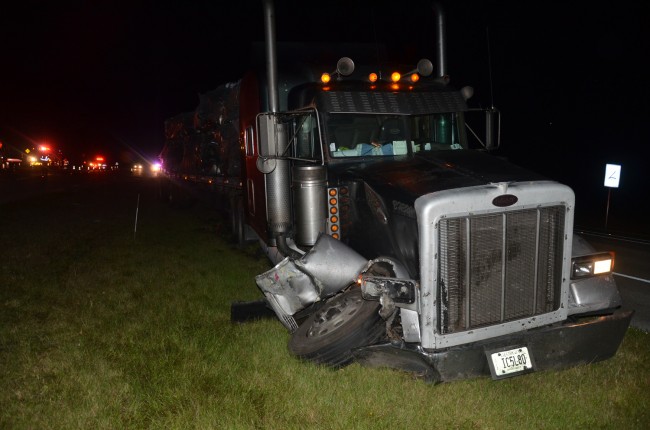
(407, 179)
(381, 220)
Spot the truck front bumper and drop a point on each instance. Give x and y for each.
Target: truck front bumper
(574, 342)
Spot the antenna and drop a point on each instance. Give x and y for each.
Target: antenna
(487, 32)
(374, 34)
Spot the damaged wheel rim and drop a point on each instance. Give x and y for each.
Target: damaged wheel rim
(335, 315)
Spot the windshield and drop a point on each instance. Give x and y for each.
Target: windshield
(359, 135)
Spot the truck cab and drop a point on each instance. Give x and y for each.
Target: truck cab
(396, 242)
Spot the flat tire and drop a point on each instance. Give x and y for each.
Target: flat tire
(345, 322)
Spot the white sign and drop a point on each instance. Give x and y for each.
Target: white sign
(612, 175)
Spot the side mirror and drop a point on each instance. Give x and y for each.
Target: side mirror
(271, 137)
(266, 135)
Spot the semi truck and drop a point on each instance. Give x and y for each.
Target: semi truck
(395, 241)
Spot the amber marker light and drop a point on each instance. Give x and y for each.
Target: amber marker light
(415, 77)
(395, 77)
(373, 77)
(325, 78)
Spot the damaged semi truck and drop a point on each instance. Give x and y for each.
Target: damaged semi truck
(394, 243)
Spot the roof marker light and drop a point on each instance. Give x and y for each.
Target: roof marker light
(395, 76)
(373, 77)
(325, 78)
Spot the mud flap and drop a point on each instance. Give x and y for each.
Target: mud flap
(398, 357)
(250, 311)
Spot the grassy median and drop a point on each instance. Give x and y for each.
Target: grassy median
(109, 323)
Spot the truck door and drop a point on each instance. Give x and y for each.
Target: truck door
(254, 186)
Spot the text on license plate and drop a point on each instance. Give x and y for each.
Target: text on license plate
(511, 361)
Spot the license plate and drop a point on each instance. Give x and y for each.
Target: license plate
(510, 362)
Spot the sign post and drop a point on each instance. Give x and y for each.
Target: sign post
(612, 178)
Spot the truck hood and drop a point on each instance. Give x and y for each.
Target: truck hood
(407, 179)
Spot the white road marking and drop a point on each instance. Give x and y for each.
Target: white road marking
(632, 277)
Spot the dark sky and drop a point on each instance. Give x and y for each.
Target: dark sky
(103, 76)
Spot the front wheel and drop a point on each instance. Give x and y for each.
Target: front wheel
(238, 221)
(345, 322)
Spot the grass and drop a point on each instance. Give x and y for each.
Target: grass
(102, 327)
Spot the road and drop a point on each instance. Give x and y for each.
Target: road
(28, 183)
(632, 271)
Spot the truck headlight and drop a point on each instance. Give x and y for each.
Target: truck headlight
(592, 265)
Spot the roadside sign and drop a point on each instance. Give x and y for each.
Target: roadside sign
(612, 175)
(612, 178)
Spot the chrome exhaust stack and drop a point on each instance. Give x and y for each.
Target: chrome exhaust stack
(441, 41)
(278, 177)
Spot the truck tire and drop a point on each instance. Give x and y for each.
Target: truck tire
(345, 322)
(233, 216)
(238, 221)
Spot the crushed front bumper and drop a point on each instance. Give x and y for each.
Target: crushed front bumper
(574, 342)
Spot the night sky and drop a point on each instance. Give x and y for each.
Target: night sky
(570, 81)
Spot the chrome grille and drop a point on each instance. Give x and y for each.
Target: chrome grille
(499, 267)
